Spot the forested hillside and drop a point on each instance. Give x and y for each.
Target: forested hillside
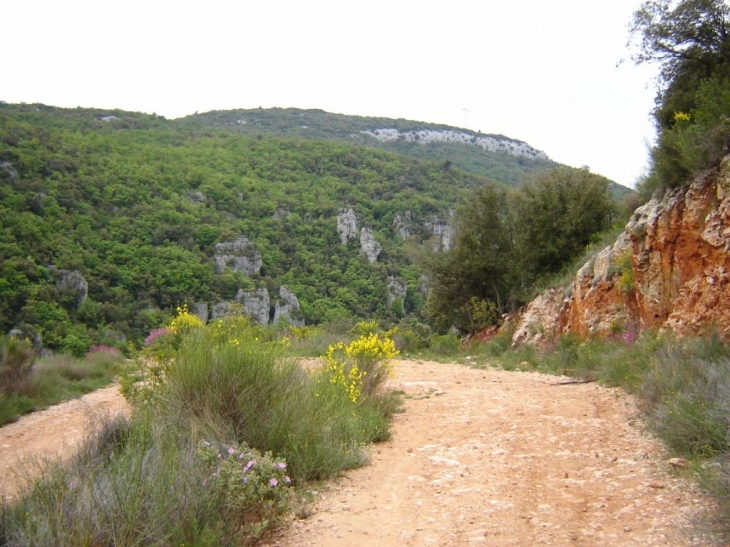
(112, 219)
(459, 147)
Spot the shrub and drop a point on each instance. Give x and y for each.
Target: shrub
(148, 482)
(445, 344)
(16, 361)
(362, 366)
(251, 488)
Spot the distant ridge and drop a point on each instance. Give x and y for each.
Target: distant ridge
(503, 159)
(500, 158)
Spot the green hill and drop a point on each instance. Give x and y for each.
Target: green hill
(112, 219)
(502, 159)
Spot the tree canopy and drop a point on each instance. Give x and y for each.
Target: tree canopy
(506, 240)
(690, 41)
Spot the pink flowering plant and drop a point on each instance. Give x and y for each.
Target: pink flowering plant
(252, 488)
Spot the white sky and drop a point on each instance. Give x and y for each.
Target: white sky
(540, 71)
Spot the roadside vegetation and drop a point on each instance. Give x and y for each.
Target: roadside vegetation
(227, 432)
(28, 384)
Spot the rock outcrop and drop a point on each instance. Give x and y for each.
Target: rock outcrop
(287, 308)
(670, 269)
(369, 245)
(346, 225)
(201, 310)
(256, 304)
(395, 288)
(7, 171)
(240, 255)
(443, 233)
(220, 310)
(487, 143)
(402, 223)
(73, 284)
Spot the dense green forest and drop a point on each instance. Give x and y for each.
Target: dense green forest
(136, 204)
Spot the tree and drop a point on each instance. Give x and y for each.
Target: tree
(555, 216)
(690, 40)
(478, 269)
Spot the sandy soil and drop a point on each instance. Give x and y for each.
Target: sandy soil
(479, 456)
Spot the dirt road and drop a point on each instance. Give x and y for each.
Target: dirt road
(506, 458)
(54, 432)
(478, 457)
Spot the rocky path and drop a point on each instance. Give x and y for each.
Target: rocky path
(507, 458)
(478, 457)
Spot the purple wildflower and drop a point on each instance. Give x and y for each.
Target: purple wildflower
(287, 479)
(273, 482)
(249, 465)
(281, 465)
(105, 349)
(154, 335)
(231, 451)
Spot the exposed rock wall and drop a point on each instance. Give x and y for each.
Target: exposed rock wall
(395, 288)
(488, 143)
(670, 269)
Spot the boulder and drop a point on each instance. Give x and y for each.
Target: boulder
(201, 310)
(72, 283)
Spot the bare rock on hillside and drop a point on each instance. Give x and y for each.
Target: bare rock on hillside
(7, 171)
(240, 255)
(369, 245)
(402, 223)
(346, 225)
(201, 310)
(221, 310)
(395, 288)
(256, 304)
(73, 284)
(442, 232)
(287, 308)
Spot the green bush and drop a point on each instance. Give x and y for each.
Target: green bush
(445, 344)
(16, 361)
(227, 378)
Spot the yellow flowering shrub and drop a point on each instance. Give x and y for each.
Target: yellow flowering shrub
(360, 367)
(185, 321)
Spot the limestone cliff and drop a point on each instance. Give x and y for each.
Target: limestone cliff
(670, 269)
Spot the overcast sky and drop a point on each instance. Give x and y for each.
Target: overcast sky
(540, 71)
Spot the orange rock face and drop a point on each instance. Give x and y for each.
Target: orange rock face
(670, 269)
